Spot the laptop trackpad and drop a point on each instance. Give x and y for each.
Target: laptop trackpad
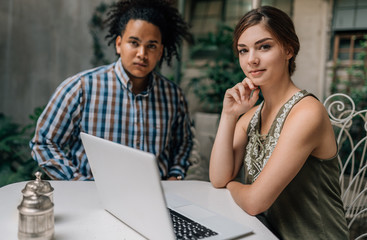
(195, 212)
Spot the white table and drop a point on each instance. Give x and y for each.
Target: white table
(79, 214)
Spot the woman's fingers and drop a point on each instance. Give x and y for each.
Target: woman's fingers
(254, 95)
(240, 98)
(249, 83)
(234, 93)
(242, 91)
(246, 89)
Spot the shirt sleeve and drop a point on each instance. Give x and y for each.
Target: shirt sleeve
(57, 129)
(181, 141)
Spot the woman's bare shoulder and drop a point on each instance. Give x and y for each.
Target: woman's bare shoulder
(309, 118)
(309, 108)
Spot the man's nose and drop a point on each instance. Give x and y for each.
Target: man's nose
(142, 52)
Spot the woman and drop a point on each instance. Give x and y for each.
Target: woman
(286, 144)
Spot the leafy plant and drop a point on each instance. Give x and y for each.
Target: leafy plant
(356, 83)
(221, 69)
(96, 29)
(356, 87)
(16, 163)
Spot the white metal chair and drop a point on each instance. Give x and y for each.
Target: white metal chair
(350, 127)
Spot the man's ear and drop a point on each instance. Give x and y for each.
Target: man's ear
(118, 44)
(162, 49)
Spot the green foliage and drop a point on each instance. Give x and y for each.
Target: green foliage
(221, 71)
(96, 27)
(356, 87)
(16, 163)
(356, 84)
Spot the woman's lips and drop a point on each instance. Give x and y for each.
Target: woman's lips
(257, 73)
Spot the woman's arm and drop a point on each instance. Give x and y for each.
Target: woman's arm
(225, 159)
(307, 131)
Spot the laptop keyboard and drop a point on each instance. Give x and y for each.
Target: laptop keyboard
(186, 228)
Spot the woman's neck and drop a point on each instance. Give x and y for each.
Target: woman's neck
(274, 98)
(276, 95)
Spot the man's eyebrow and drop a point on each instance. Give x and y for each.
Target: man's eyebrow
(137, 39)
(256, 43)
(153, 41)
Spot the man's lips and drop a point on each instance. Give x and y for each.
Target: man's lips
(140, 64)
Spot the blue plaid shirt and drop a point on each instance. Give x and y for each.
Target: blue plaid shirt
(100, 102)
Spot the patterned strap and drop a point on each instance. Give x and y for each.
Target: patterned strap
(259, 152)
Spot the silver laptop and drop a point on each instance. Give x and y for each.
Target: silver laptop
(129, 186)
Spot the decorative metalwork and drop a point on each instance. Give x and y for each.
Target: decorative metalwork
(350, 127)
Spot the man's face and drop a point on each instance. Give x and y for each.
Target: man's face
(140, 48)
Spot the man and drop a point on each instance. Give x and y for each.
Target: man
(127, 102)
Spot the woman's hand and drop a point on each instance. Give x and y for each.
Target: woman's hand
(228, 149)
(240, 98)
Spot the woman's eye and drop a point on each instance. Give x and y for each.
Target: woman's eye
(265, 47)
(242, 51)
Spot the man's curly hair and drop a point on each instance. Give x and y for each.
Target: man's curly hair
(160, 13)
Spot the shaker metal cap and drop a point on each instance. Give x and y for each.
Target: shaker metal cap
(37, 186)
(35, 204)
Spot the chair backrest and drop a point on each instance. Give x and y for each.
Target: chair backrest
(350, 128)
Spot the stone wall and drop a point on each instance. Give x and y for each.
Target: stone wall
(312, 20)
(42, 43)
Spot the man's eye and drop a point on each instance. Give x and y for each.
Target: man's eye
(152, 46)
(135, 44)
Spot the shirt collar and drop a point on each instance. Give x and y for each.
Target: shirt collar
(125, 80)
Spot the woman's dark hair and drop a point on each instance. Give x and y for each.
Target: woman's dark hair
(277, 23)
(160, 13)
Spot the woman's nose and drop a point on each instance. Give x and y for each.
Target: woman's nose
(253, 58)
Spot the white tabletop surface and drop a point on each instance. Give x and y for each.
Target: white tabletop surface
(79, 214)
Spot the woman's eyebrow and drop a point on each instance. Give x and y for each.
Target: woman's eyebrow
(262, 40)
(256, 43)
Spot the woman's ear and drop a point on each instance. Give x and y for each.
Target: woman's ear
(289, 53)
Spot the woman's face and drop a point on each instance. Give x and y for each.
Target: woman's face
(261, 56)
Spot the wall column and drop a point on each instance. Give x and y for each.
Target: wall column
(256, 4)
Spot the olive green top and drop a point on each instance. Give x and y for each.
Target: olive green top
(310, 206)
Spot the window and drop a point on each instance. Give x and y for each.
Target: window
(350, 15)
(206, 14)
(349, 28)
(348, 46)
